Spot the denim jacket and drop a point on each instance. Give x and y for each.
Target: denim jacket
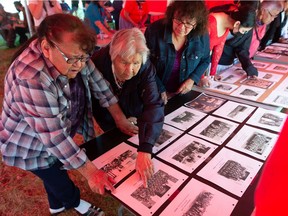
(195, 57)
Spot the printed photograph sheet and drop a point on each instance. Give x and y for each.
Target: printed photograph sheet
(213, 129)
(118, 162)
(255, 142)
(285, 45)
(234, 111)
(184, 117)
(231, 171)
(168, 134)
(276, 50)
(205, 103)
(248, 92)
(280, 68)
(232, 74)
(259, 83)
(187, 153)
(222, 87)
(197, 198)
(145, 201)
(272, 77)
(260, 64)
(268, 119)
(268, 55)
(277, 98)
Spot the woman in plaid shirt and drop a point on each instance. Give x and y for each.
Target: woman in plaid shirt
(48, 90)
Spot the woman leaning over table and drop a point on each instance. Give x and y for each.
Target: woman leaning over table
(179, 46)
(238, 22)
(125, 65)
(47, 100)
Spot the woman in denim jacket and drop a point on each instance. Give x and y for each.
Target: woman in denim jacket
(179, 46)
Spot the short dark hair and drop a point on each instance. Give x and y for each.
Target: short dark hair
(246, 15)
(53, 27)
(17, 3)
(192, 10)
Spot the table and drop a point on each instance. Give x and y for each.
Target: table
(110, 139)
(272, 57)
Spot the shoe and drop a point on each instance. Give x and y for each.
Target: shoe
(94, 211)
(56, 211)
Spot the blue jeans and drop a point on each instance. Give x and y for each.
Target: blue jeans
(60, 189)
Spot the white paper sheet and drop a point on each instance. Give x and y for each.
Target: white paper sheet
(184, 117)
(197, 198)
(268, 119)
(234, 111)
(168, 134)
(255, 142)
(187, 153)
(277, 98)
(205, 103)
(276, 50)
(280, 68)
(283, 87)
(145, 201)
(222, 87)
(273, 77)
(232, 74)
(268, 55)
(248, 92)
(260, 64)
(259, 83)
(280, 44)
(214, 129)
(117, 162)
(231, 171)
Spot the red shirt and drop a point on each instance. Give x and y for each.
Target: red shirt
(135, 12)
(216, 43)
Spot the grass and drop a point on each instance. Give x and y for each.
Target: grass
(22, 193)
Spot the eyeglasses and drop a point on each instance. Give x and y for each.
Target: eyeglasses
(187, 25)
(71, 60)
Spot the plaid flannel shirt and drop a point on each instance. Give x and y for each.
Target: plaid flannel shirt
(35, 124)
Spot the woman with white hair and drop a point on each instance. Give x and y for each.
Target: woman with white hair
(125, 64)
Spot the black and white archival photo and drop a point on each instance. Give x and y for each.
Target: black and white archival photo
(188, 152)
(145, 201)
(197, 198)
(231, 171)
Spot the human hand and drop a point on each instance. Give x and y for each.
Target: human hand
(128, 126)
(133, 120)
(144, 167)
(217, 77)
(100, 181)
(253, 77)
(205, 82)
(164, 97)
(185, 87)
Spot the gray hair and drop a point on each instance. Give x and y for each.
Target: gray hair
(128, 42)
(272, 5)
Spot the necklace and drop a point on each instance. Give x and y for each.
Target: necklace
(117, 81)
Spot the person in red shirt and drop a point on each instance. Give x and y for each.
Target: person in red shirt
(133, 14)
(239, 21)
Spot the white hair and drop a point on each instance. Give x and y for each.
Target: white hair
(128, 42)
